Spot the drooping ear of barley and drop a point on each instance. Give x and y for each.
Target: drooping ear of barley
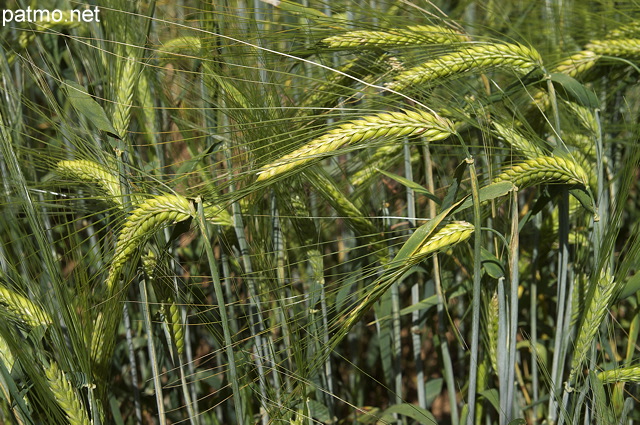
(387, 124)
(411, 36)
(514, 138)
(23, 308)
(577, 64)
(446, 237)
(94, 174)
(623, 47)
(621, 374)
(449, 235)
(66, 396)
(593, 317)
(150, 216)
(544, 169)
(480, 57)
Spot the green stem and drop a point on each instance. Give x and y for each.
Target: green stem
(224, 318)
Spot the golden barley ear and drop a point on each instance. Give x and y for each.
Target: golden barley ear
(387, 124)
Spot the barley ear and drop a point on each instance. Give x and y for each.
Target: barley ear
(621, 374)
(411, 36)
(595, 314)
(544, 169)
(23, 308)
(475, 57)
(150, 216)
(127, 77)
(176, 326)
(66, 395)
(387, 124)
(94, 174)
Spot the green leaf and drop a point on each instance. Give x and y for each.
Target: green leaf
(489, 192)
(412, 185)
(455, 185)
(630, 287)
(432, 389)
(493, 397)
(421, 235)
(492, 265)
(425, 304)
(85, 105)
(414, 412)
(575, 90)
(518, 421)
(584, 198)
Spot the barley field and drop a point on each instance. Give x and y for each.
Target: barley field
(320, 212)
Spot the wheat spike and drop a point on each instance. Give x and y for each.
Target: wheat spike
(387, 124)
(604, 290)
(93, 173)
(515, 57)
(411, 36)
(624, 47)
(544, 169)
(23, 308)
(66, 395)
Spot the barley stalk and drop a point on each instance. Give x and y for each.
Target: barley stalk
(514, 57)
(93, 173)
(621, 374)
(23, 308)
(544, 169)
(387, 124)
(604, 290)
(624, 47)
(66, 395)
(410, 36)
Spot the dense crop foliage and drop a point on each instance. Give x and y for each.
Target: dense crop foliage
(306, 211)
